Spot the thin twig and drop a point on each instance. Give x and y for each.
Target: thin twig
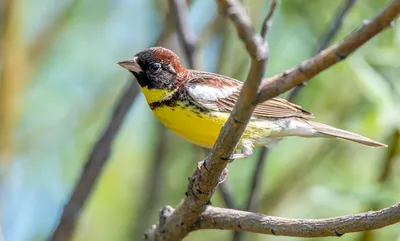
(94, 166)
(253, 199)
(226, 193)
(336, 24)
(186, 36)
(392, 152)
(229, 219)
(324, 41)
(215, 26)
(153, 183)
(268, 19)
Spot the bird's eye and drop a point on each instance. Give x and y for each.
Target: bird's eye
(155, 67)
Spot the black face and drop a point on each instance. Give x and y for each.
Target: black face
(158, 71)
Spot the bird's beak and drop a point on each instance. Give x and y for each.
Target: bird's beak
(131, 65)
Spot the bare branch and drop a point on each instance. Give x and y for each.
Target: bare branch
(94, 165)
(186, 36)
(226, 194)
(336, 23)
(280, 83)
(174, 225)
(189, 41)
(253, 198)
(251, 203)
(254, 191)
(393, 150)
(215, 26)
(228, 219)
(153, 183)
(268, 19)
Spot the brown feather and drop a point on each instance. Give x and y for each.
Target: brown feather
(342, 134)
(273, 108)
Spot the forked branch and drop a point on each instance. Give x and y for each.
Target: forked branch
(176, 224)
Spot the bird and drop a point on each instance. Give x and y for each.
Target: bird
(196, 104)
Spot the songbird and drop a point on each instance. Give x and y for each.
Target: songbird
(196, 104)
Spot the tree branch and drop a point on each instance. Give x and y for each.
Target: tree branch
(268, 19)
(388, 161)
(251, 203)
(190, 43)
(153, 183)
(94, 165)
(228, 219)
(176, 224)
(254, 191)
(283, 82)
(185, 34)
(336, 23)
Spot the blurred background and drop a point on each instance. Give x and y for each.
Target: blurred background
(60, 81)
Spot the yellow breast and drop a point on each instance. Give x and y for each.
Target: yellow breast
(197, 127)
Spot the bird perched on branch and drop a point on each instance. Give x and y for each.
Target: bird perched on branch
(196, 104)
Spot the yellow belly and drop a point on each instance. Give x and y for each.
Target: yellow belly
(199, 128)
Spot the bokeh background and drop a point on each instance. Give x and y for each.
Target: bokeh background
(60, 80)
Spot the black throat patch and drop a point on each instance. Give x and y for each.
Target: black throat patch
(143, 81)
(185, 100)
(171, 101)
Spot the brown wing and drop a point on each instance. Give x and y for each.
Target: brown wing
(220, 93)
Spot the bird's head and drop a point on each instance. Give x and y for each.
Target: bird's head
(156, 68)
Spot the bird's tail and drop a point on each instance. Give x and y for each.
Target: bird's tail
(329, 131)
